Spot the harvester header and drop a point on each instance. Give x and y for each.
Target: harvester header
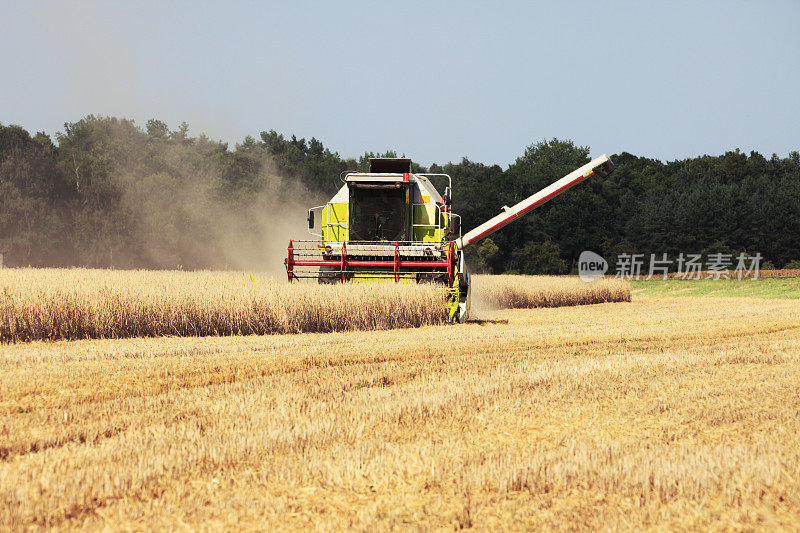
(392, 224)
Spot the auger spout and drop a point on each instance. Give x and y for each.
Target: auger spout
(602, 166)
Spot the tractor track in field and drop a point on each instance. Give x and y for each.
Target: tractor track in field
(7, 453)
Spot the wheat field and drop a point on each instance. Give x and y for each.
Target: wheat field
(661, 413)
(56, 304)
(523, 292)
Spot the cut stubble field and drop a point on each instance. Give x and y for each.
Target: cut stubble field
(665, 412)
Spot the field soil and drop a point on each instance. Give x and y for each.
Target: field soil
(662, 413)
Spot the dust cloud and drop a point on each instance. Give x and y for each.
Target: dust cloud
(183, 218)
(173, 217)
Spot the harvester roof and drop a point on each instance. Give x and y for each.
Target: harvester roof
(375, 177)
(384, 170)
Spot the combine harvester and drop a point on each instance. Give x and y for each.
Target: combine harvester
(390, 224)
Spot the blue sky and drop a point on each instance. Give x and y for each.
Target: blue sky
(435, 80)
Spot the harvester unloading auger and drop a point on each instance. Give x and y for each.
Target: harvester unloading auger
(390, 224)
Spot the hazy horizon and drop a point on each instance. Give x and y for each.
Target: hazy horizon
(434, 82)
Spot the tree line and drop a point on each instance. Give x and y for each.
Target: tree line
(108, 193)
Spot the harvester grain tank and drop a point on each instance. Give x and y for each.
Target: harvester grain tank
(391, 224)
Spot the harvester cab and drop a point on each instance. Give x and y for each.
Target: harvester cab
(392, 224)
